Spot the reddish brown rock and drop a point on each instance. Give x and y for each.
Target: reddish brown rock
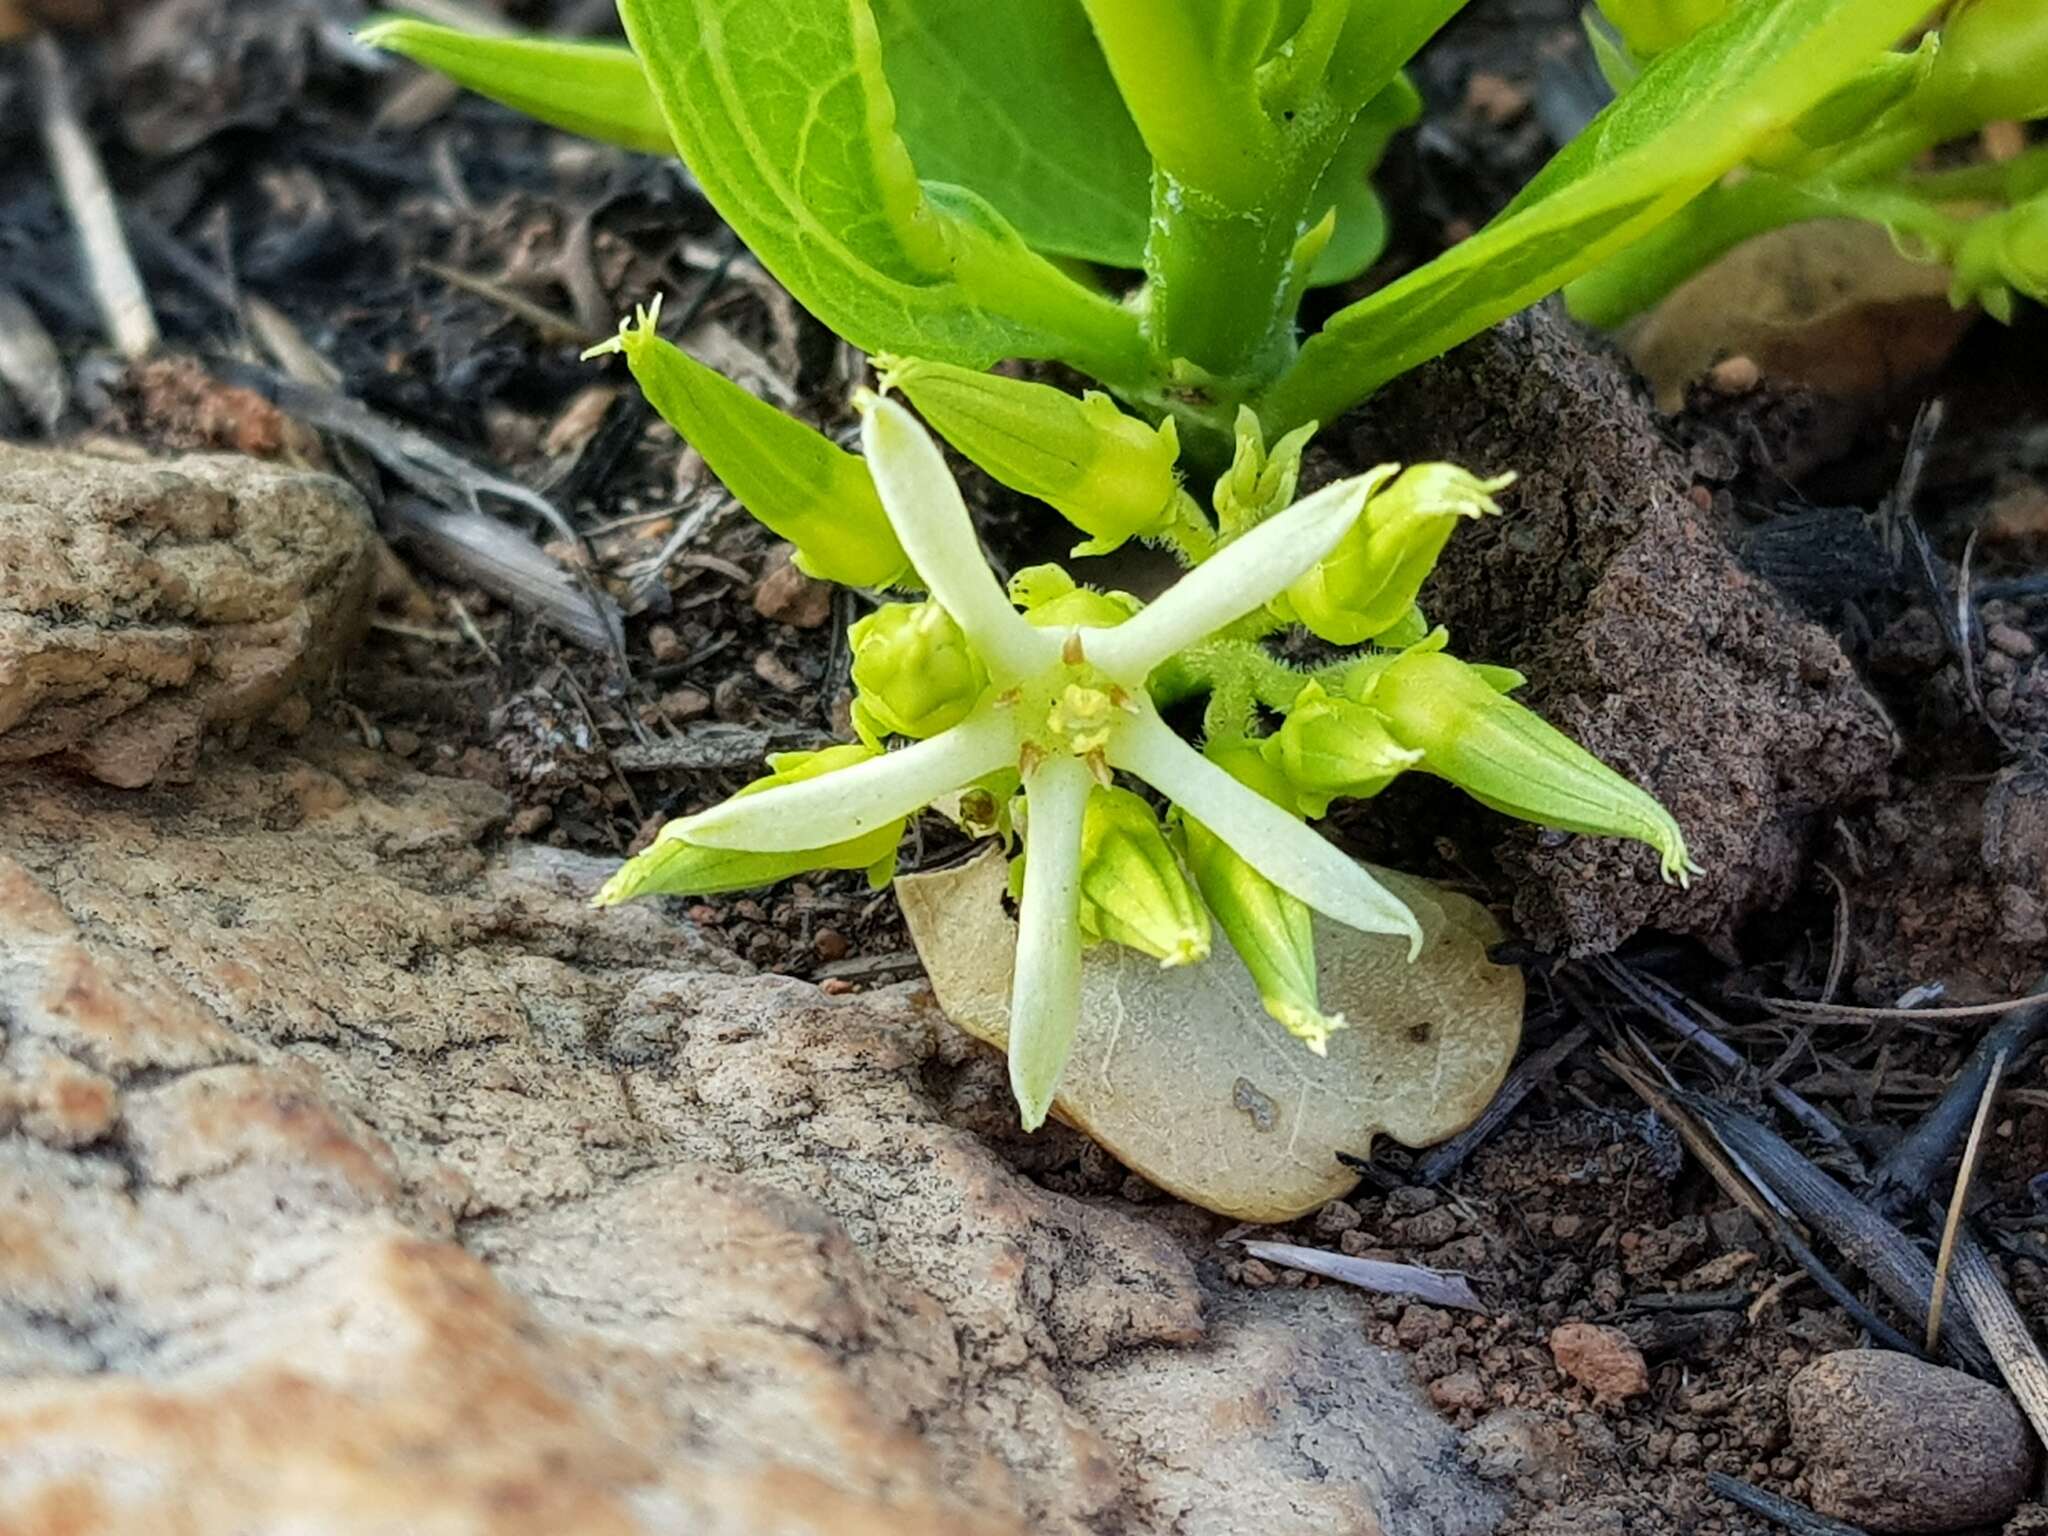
(1600, 1359)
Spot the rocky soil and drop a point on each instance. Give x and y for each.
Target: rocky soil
(356, 1170)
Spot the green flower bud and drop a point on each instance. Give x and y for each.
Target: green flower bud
(672, 865)
(1649, 27)
(2004, 253)
(1133, 889)
(1512, 760)
(1272, 932)
(1367, 585)
(914, 671)
(1993, 64)
(1330, 747)
(792, 477)
(1108, 474)
(1258, 483)
(1051, 599)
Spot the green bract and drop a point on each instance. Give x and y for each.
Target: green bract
(1051, 692)
(926, 175)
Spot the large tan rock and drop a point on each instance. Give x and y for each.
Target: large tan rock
(142, 603)
(355, 1178)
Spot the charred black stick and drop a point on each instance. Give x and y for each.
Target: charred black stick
(1884, 1253)
(1684, 1111)
(1440, 1162)
(1778, 1509)
(1901, 1181)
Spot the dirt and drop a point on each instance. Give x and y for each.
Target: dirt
(1705, 598)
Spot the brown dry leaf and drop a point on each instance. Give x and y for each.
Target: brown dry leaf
(1181, 1074)
(1831, 305)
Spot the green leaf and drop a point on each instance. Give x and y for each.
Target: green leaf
(1014, 100)
(593, 89)
(784, 116)
(1694, 113)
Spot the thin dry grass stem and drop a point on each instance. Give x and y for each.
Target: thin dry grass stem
(1957, 1201)
(1844, 1013)
(1679, 1014)
(552, 325)
(1838, 954)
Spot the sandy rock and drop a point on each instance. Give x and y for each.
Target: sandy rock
(1641, 637)
(361, 1177)
(1600, 1359)
(1895, 1444)
(142, 604)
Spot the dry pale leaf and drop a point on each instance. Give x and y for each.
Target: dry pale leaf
(1181, 1074)
(1830, 305)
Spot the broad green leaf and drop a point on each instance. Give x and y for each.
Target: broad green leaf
(784, 116)
(593, 89)
(1014, 100)
(1694, 113)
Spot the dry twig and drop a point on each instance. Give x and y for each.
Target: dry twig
(82, 183)
(1437, 1287)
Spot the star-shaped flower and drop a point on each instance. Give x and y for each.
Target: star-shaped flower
(1066, 708)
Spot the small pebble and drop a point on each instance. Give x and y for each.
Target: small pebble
(1495, 98)
(830, 944)
(665, 644)
(1600, 1359)
(681, 704)
(2011, 641)
(1461, 1391)
(1411, 1199)
(787, 596)
(1736, 375)
(1894, 1444)
(1337, 1216)
(777, 673)
(1419, 1324)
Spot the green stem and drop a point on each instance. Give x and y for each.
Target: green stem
(1220, 280)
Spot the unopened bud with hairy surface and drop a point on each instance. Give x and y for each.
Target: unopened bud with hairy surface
(1271, 931)
(1330, 747)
